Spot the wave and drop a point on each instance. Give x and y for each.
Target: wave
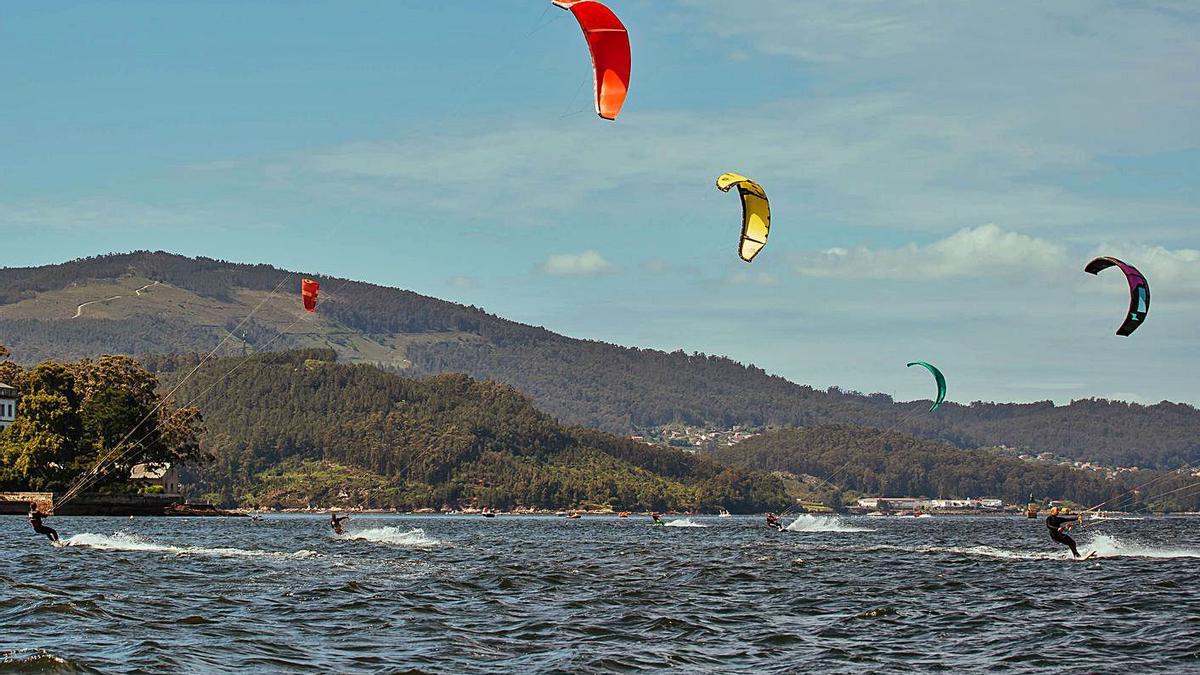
(39, 661)
(806, 522)
(980, 550)
(685, 522)
(1105, 546)
(1108, 546)
(414, 538)
(122, 541)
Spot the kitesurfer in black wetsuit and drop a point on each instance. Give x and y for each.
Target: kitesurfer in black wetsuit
(773, 521)
(35, 519)
(336, 523)
(1058, 525)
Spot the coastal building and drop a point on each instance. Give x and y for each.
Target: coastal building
(954, 504)
(8, 405)
(893, 503)
(165, 476)
(900, 503)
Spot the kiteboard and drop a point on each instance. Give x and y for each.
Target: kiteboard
(1088, 556)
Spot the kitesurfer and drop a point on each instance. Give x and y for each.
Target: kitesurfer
(773, 521)
(657, 518)
(336, 523)
(1058, 525)
(35, 520)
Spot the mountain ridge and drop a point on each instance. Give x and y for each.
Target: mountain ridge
(193, 304)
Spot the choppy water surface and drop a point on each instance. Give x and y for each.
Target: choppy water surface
(520, 594)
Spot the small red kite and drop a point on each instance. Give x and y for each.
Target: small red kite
(308, 291)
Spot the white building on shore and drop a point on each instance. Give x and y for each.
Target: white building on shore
(916, 504)
(164, 476)
(8, 405)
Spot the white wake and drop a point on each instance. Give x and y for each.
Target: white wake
(685, 522)
(122, 541)
(806, 522)
(1108, 546)
(1105, 546)
(413, 538)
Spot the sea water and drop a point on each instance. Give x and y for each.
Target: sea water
(530, 594)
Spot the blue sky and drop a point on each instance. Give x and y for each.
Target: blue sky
(939, 173)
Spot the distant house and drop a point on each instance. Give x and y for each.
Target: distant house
(165, 476)
(8, 405)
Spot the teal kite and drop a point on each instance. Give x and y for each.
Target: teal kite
(941, 382)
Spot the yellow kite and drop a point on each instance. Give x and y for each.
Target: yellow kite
(756, 213)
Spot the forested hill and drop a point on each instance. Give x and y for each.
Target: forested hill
(144, 302)
(891, 464)
(297, 428)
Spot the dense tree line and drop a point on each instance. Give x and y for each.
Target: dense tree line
(589, 383)
(893, 464)
(92, 417)
(447, 440)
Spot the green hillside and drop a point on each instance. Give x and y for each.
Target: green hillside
(297, 428)
(891, 464)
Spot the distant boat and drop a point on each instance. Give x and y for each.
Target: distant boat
(623, 514)
(924, 515)
(487, 513)
(574, 516)
(561, 514)
(724, 514)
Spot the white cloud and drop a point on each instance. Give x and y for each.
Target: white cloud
(820, 31)
(983, 251)
(586, 264)
(914, 116)
(1123, 61)
(886, 160)
(656, 266)
(1173, 274)
(463, 283)
(102, 212)
(753, 279)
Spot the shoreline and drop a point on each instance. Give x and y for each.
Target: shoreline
(692, 514)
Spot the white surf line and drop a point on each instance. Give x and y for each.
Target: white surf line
(139, 291)
(79, 309)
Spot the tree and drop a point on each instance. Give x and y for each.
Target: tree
(38, 447)
(93, 415)
(10, 373)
